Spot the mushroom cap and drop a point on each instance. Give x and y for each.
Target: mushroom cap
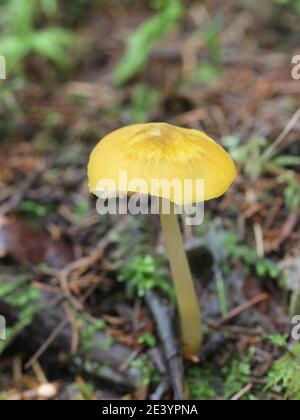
(159, 151)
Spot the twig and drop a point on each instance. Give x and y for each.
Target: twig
(47, 343)
(271, 149)
(82, 264)
(240, 309)
(17, 197)
(164, 324)
(160, 390)
(51, 327)
(85, 263)
(242, 392)
(285, 233)
(39, 373)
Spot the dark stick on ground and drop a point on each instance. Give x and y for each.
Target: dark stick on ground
(165, 327)
(162, 388)
(36, 336)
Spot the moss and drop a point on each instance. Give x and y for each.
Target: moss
(207, 383)
(87, 333)
(148, 339)
(202, 383)
(284, 376)
(142, 273)
(148, 372)
(20, 295)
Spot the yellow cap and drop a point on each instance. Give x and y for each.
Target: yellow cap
(161, 152)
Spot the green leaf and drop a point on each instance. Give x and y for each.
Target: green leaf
(148, 339)
(284, 375)
(53, 43)
(143, 40)
(278, 340)
(21, 38)
(19, 294)
(292, 191)
(50, 7)
(142, 273)
(286, 160)
(21, 14)
(211, 35)
(144, 99)
(206, 73)
(14, 49)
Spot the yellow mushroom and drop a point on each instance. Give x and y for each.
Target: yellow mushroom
(159, 151)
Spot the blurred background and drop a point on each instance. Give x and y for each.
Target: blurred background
(77, 290)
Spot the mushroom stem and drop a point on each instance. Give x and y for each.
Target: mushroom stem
(188, 306)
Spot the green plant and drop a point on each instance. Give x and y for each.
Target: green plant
(208, 70)
(91, 327)
(20, 36)
(291, 192)
(35, 208)
(255, 157)
(237, 374)
(142, 273)
(279, 340)
(140, 44)
(205, 384)
(20, 295)
(148, 373)
(81, 210)
(248, 154)
(263, 267)
(205, 74)
(86, 392)
(284, 376)
(233, 248)
(148, 339)
(211, 35)
(202, 383)
(2, 396)
(144, 99)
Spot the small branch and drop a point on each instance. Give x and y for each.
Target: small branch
(286, 231)
(161, 314)
(50, 334)
(19, 195)
(240, 309)
(159, 392)
(55, 333)
(242, 392)
(288, 128)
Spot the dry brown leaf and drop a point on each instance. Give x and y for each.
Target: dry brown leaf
(35, 246)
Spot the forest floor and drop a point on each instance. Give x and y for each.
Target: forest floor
(78, 290)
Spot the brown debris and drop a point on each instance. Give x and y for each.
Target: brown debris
(26, 245)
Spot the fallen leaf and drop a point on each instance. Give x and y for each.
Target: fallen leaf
(35, 246)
